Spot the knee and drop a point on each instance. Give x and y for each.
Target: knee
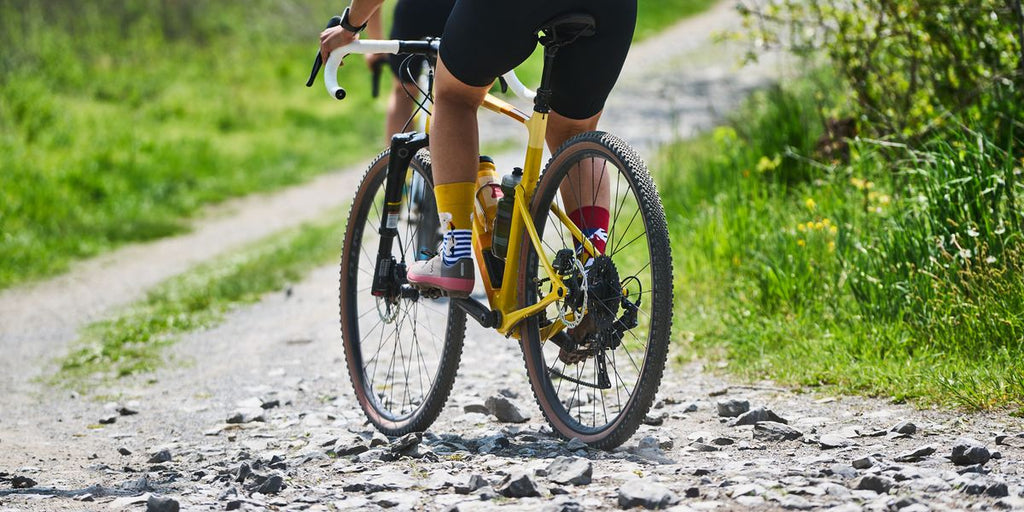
(453, 93)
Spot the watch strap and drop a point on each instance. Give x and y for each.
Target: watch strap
(348, 26)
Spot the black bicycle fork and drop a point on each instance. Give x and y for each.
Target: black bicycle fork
(389, 275)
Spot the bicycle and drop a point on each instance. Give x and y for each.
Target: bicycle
(593, 327)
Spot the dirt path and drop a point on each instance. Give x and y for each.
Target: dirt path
(286, 349)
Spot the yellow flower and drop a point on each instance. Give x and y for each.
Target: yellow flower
(826, 222)
(801, 242)
(810, 204)
(831, 246)
(801, 228)
(833, 229)
(819, 225)
(766, 164)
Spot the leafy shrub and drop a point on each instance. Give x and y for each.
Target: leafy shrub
(909, 63)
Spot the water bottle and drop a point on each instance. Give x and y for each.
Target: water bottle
(485, 205)
(503, 219)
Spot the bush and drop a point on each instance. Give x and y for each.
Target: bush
(909, 63)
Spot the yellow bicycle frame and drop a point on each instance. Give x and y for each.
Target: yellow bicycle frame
(506, 299)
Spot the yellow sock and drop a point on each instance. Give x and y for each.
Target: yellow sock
(455, 204)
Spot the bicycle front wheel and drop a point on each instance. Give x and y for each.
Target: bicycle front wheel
(402, 352)
(595, 358)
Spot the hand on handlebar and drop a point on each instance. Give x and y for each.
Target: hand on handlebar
(334, 38)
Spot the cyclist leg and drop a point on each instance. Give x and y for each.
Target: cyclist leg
(478, 52)
(454, 151)
(577, 104)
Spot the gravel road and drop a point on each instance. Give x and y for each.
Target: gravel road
(258, 414)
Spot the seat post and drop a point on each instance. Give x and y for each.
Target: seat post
(542, 102)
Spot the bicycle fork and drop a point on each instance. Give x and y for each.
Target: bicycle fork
(389, 275)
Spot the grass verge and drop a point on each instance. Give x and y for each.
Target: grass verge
(131, 341)
(156, 110)
(896, 274)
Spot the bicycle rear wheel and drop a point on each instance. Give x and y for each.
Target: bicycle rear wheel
(597, 380)
(402, 353)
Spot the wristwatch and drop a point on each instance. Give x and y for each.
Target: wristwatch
(348, 26)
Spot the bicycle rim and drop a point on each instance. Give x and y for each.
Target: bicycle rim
(597, 381)
(402, 354)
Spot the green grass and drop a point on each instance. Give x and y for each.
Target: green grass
(899, 274)
(131, 341)
(120, 121)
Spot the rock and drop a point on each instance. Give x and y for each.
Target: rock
(405, 442)
(272, 485)
(654, 421)
(968, 451)
(127, 501)
(773, 431)
(702, 447)
(575, 444)
(719, 392)
(830, 441)
(916, 454)
(692, 492)
(239, 417)
(998, 490)
(723, 441)
(863, 462)
(492, 444)
(161, 504)
(124, 451)
(476, 408)
(108, 420)
(754, 416)
(475, 482)
(518, 485)
(23, 482)
(126, 411)
(565, 505)
(243, 472)
(746, 490)
(486, 493)
(349, 448)
(878, 483)
(508, 393)
(506, 410)
(790, 502)
(841, 470)
(570, 470)
(690, 408)
(904, 427)
(160, 457)
(647, 494)
(732, 408)
(270, 404)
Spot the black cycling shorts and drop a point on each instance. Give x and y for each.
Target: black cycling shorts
(416, 19)
(485, 38)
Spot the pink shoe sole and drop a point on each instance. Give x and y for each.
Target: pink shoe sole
(452, 285)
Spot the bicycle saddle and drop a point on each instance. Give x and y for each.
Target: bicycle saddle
(566, 28)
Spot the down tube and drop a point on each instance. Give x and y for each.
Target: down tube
(509, 297)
